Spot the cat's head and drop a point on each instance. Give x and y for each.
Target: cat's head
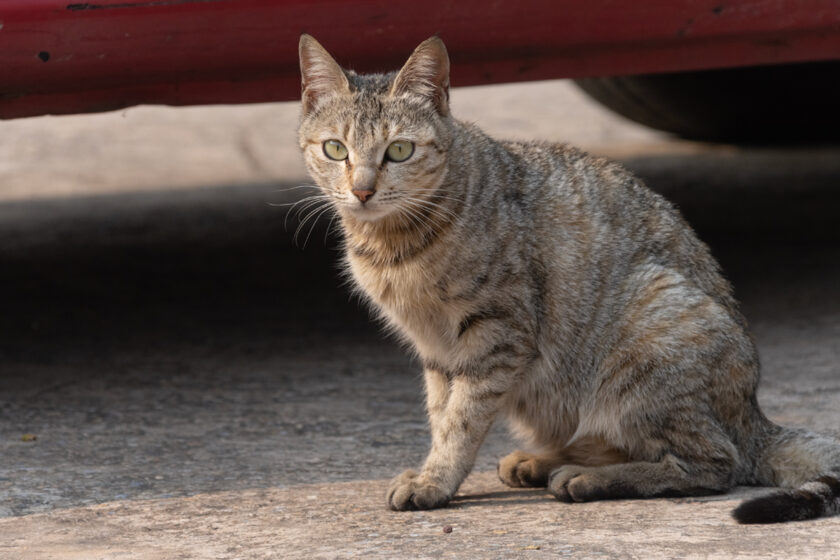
(376, 144)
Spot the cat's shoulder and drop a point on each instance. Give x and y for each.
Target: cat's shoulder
(560, 154)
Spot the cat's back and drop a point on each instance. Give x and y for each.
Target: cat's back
(584, 200)
(601, 223)
(572, 180)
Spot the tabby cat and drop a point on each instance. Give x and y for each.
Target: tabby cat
(553, 287)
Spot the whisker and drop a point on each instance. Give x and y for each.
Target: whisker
(437, 194)
(409, 219)
(281, 204)
(412, 195)
(294, 188)
(314, 222)
(317, 211)
(305, 204)
(431, 211)
(329, 226)
(412, 214)
(432, 207)
(414, 210)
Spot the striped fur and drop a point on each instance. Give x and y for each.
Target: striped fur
(552, 287)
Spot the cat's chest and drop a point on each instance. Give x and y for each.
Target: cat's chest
(409, 299)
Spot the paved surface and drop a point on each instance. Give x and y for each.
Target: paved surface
(179, 378)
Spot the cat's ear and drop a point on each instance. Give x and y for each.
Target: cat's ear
(426, 73)
(320, 74)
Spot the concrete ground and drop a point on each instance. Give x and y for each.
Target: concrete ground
(181, 378)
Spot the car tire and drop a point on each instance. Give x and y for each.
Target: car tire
(781, 104)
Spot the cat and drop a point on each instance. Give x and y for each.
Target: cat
(540, 283)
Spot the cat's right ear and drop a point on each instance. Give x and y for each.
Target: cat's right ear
(320, 74)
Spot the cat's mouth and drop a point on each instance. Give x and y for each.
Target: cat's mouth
(369, 211)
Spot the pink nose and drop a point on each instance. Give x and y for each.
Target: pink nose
(363, 194)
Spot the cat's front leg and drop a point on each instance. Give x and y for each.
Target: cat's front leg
(461, 411)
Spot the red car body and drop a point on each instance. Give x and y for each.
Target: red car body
(70, 57)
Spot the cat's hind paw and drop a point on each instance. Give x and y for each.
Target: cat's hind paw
(409, 491)
(523, 470)
(573, 483)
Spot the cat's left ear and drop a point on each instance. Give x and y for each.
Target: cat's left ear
(426, 73)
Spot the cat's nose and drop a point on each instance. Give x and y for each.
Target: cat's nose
(363, 182)
(363, 194)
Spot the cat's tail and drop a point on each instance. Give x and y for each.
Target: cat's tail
(807, 466)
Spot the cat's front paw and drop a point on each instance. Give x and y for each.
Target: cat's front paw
(409, 491)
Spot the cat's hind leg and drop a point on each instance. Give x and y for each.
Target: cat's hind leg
(691, 458)
(667, 478)
(676, 393)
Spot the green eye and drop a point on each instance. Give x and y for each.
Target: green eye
(334, 149)
(399, 151)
